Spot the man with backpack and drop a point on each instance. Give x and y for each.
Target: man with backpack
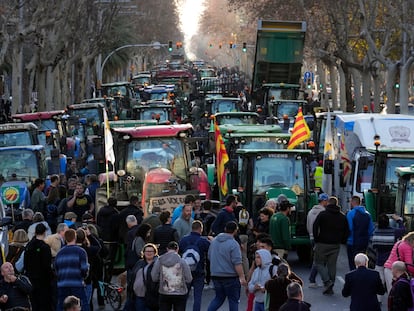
(174, 276)
(361, 229)
(194, 248)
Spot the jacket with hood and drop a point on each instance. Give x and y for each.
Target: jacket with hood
(331, 226)
(261, 274)
(173, 273)
(360, 231)
(313, 213)
(224, 254)
(106, 221)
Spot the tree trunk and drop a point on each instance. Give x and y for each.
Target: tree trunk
(356, 75)
(366, 88)
(333, 76)
(342, 89)
(404, 79)
(392, 70)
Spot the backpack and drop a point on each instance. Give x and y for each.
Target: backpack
(172, 280)
(192, 256)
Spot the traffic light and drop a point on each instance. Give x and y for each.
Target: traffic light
(210, 45)
(309, 83)
(397, 85)
(231, 44)
(321, 86)
(179, 45)
(244, 47)
(170, 48)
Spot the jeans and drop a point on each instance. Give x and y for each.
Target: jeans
(79, 292)
(88, 290)
(226, 287)
(259, 306)
(167, 302)
(314, 269)
(140, 304)
(198, 285)
(326, 256)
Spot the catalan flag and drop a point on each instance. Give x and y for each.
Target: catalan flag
(222, 158)
(300, 131)
(346, 162)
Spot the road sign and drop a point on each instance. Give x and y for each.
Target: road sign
(308, 75)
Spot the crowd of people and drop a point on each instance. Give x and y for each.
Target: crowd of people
(60, 252)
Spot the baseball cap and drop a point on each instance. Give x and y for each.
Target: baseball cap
(285, 204)
(70, 215)
(323, 197)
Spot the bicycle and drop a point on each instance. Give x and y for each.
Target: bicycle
(112, 293)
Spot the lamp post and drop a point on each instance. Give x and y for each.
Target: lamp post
(155, 45)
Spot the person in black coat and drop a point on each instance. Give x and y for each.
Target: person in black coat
(133, 208)
(363, 285)
(106, 220)
(165, 233)
(330, 230)
(14, 290)
(400, 297)
(38, 267)
(295, 299)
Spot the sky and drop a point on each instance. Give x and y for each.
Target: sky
(190, 12)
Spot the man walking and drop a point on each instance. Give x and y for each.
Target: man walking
(174, 276)
(226, 268)
(38, 266)
(330, 229)
(361, 229)
(279, 229)
(193, 247)
(71, 265)
(363, 285)
(313, 213)
(224, 216)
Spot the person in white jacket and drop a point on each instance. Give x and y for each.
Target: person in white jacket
(263, 260)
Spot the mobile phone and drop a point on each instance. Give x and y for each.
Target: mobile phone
(84, 225)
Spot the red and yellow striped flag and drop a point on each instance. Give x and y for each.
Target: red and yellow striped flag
(222, 158)
(300, 131)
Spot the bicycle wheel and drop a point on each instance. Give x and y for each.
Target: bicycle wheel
(114, 298)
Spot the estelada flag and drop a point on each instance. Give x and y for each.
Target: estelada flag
(222, 158)
(346, 162)
(300, 131)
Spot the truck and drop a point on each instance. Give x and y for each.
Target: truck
(20, 166)
(376, 144)
(18, 134)
(49, 136)
(404, 203)
(266, 173)
(153, 162)
(278, 65)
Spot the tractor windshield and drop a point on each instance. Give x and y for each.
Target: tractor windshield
(278, 170)
(20, 162)
(151, 114)
(143, 155)
(15, 139)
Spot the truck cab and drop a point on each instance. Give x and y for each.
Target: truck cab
(18, 134)
(404, 203)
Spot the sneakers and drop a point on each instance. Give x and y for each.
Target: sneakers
(208, 286)
(314, 285)
(328, 288)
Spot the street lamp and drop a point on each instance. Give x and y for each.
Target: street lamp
(155, 45)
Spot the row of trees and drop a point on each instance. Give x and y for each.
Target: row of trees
(368, 43)
(54, 47)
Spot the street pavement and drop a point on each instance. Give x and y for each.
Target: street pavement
(315, 297)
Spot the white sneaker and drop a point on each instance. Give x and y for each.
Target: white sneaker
(314, 285)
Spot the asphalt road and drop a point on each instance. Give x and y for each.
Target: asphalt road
(315, 297)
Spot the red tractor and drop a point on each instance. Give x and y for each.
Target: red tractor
(153, 162)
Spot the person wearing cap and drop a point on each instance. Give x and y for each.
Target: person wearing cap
(70, 219)
(279, 229)
(313, 213)
(174, 275)
(226, 268)
(38, 267)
